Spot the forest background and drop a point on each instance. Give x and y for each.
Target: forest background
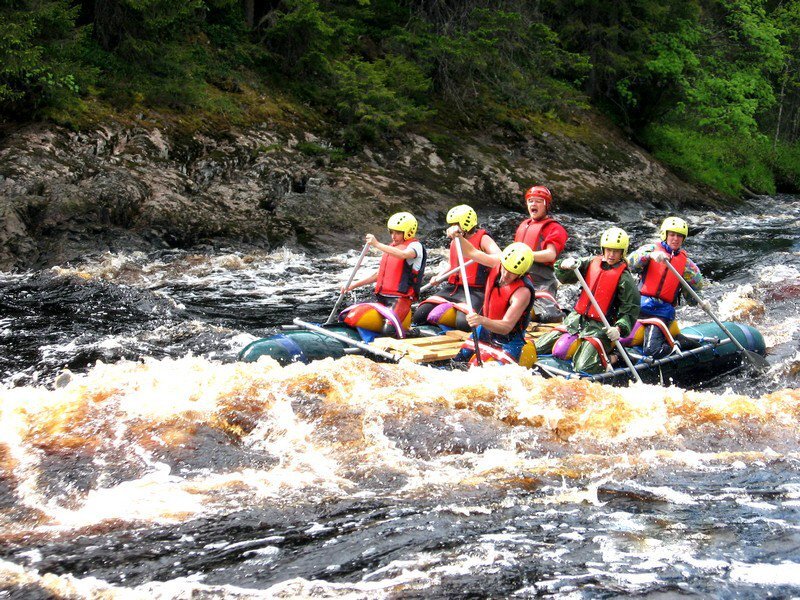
(709, 87)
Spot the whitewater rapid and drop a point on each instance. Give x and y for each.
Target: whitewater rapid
(139, 459)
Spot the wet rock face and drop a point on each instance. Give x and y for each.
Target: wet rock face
(65, 195)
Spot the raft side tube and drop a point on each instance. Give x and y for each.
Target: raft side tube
(298, 345)
(716, 356)
(749, 337)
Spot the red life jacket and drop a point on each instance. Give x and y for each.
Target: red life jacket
(396, 278)
(532, 233)
(498, 298)
(476, 273)
(603, 285)
(659, 282)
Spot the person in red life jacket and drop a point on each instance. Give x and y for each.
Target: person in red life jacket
(466, 219)
(544, 235)
(397, 280)
(614, 288)
(660, 289)
(508, 297)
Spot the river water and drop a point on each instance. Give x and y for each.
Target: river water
(138, 459)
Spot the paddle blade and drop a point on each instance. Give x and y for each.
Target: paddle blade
(756, 360)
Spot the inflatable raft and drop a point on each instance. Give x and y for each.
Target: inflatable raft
(714, 356)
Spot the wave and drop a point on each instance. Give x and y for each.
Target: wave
(165, 440)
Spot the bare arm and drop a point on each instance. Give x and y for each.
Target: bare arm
(489, 246)
(547, 254)
(361, 282)
(471, 252)
(519, 302)
(404, 253)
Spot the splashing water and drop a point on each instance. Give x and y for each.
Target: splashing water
(158, 467)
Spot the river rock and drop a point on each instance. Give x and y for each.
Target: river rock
(66, 195)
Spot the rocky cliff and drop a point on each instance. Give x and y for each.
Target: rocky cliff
(64, 195)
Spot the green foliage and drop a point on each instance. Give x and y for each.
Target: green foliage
(159, 54)
(495, 57)
(138, 29)
(704, 83)
(378, 97)
(728, 103)
(225, 27)
(316, 150)
(785, 164)
(711, 86)
(706, 62)
(619, 38)
(33, 70)
(370, 98)
(304, 38)
(722, 162)
(784, 122)
(733, 87)
(380, 68)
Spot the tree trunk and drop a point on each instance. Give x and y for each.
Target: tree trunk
(249, 12)
(110, 23)
(780, 109)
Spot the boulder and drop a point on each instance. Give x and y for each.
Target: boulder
(64, 195)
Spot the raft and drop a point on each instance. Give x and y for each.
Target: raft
(297, 343)
(716, 355)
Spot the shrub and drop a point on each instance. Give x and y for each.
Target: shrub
(372, 99)
(730, 164)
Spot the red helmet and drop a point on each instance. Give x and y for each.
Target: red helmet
(539, 191)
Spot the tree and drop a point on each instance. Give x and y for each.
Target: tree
(33, 71)
(136, 28)
(785, 121)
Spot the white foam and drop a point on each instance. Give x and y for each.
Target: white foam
(623, 521)
(783, 573)
(572, 536)
(154, 498)
(669, 494)
(755, 504)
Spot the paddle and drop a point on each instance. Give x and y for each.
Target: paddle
(467, 299)
(349, 281)
(440, 278)
(756, 360)
(596, 306)
(346, 340)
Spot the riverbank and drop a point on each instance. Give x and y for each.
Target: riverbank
(150, 185)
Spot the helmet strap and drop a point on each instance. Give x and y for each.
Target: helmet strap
(669, 250)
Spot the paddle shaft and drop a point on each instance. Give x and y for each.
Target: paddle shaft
(349, 281)
(345, 340)
(603, 319)
(463, 268)
(440, 278)
(750, 355)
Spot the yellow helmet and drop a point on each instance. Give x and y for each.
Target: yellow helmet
(675, 225)
(405, 222)
(517, 258)
(616, 239)
(463, 216)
